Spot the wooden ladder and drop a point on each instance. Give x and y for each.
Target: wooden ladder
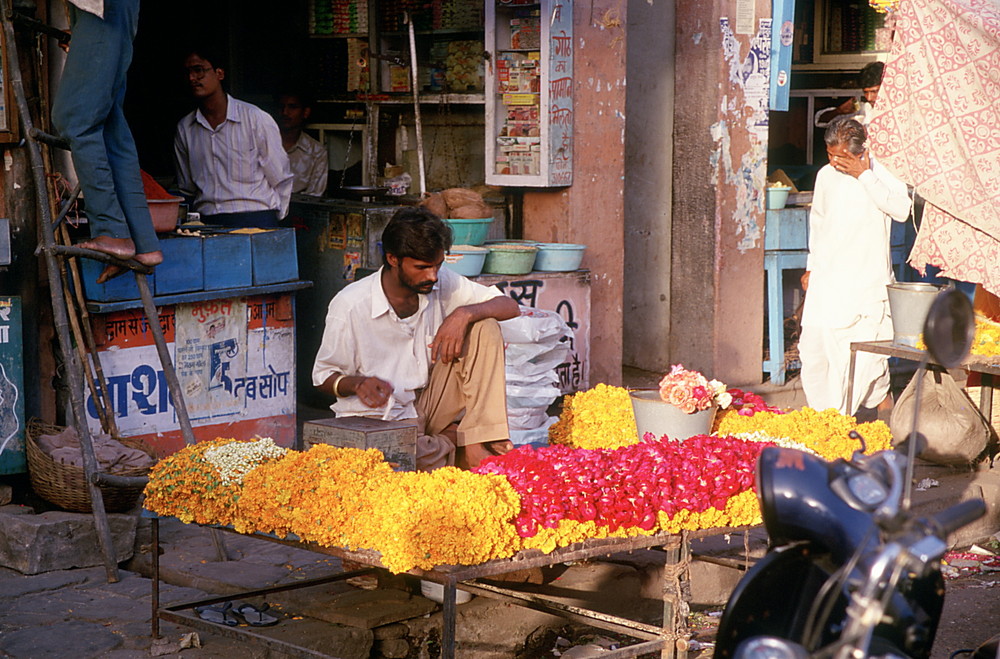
(55, 257)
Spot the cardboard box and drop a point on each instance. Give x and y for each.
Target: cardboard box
(228, 261)
(183, 267)
(396, 439)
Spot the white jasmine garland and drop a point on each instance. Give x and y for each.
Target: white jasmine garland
(783, 442)
(235, 460)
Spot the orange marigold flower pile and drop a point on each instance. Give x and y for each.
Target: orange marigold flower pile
(187, 486)
(825, 432)
(600, 417)
(342, 497)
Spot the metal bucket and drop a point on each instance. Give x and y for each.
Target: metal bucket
(656, 416)
(909, 303)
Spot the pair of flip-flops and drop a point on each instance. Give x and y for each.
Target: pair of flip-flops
(230, 614)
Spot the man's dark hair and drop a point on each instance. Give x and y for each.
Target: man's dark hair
(211, 53)
(846, 131)
(305, 99)
(417, 233)
(871, 75)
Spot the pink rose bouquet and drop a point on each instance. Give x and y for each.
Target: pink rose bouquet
(691, 392)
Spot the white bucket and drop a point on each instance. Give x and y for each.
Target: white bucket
(909, 303)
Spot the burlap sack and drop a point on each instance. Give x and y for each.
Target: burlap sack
(458, 197)
(476, 211)
(955, 431)
(436, 204)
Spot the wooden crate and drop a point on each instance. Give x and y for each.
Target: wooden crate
(396, 439)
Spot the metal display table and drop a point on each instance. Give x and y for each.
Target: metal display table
(670, 639)
(985, 366)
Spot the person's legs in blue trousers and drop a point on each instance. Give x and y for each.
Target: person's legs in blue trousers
(88, 112)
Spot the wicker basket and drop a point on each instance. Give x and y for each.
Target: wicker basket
(66, 485)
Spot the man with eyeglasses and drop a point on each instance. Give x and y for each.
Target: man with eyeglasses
(228, 153)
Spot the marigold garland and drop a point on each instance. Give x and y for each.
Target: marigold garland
(600, 417)
(319, 495)
(445, 517)
(825, 432)
(985, 341)
(187, 486)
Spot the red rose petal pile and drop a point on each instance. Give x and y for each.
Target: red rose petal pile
(628, 486)
(747, 403)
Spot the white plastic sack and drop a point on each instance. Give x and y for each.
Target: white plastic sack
(531, 396)
(528, 360)
(538, 435)
(526, 418)
(546, 378)
(535, 326)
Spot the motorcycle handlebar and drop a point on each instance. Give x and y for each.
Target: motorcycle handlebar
(952, 519)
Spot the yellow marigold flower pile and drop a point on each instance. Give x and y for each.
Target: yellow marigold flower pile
(825, 432)
(600, 417)
(342, 497)
(985, 342)
(319, 495)
(187, 486)
(446, 517)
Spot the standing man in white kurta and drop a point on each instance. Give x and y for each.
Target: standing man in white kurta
(849, 265)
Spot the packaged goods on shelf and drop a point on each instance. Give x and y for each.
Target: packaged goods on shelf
(525, 30)
(338, 17)
(464, 66)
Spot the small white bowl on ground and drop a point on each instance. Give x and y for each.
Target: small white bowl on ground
(435, 592)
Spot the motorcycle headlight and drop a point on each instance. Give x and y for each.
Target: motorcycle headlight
(770, 647)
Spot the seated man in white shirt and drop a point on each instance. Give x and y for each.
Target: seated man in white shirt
(418, 341)
(228, 153)
(308, 158)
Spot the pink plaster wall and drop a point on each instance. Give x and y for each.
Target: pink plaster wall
(591, 211)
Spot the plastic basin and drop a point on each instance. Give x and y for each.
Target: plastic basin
(466, 260)
(777, 198)
(469, 232)
(164, 213)
(510, 259)
(559, 257)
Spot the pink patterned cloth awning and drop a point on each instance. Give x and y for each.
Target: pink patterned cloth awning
(937, 127)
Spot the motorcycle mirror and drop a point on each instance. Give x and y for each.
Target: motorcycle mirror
(950, 327)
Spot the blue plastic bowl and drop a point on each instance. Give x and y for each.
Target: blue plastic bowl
(469, 232)
(466, 260)
(559, 257)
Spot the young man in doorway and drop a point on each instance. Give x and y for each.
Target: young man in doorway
(228, 153)
(307, 157)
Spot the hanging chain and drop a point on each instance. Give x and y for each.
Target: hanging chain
(347, 154)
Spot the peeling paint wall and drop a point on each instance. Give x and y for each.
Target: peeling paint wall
(720, 146)
(591, 211)
(648, 191)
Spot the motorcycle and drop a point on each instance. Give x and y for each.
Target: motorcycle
(851, 571)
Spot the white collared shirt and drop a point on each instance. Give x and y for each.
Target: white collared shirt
(364, 336)
(310, 167)
(239, 166)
